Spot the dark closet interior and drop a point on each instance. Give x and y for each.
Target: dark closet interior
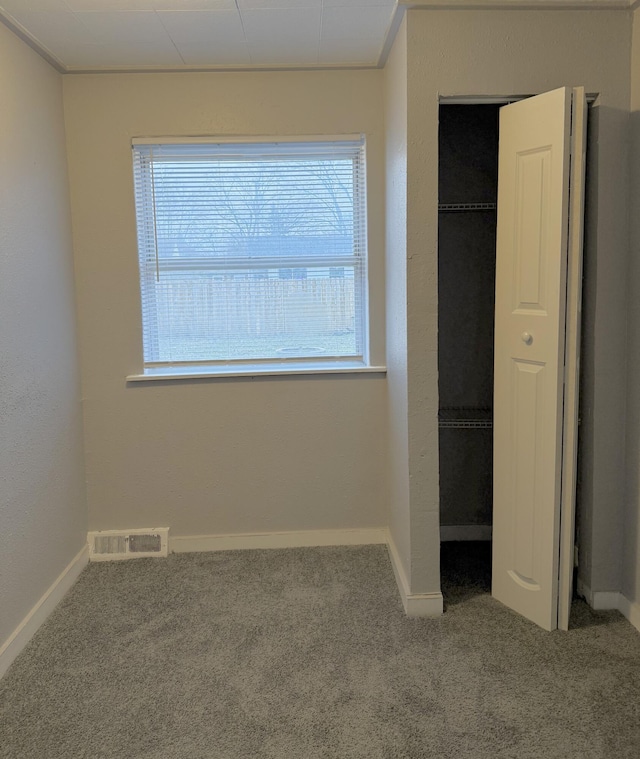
(468, 181)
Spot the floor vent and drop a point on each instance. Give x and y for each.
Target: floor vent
(114, 545)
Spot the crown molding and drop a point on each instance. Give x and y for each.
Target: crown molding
(31, 41)
(520, 5)
(402, 6)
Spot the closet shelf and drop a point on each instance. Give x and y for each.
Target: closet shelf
(467, 207)
(465, 418)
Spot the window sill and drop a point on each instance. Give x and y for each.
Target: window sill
(169, 374)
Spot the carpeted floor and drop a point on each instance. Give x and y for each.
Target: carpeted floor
(306, 653)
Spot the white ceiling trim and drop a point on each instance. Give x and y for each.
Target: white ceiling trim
(373, 36)
(231, 68)
(32, 42)
(519, 5)
(403, 5)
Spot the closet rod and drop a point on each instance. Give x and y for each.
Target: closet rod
(469, 424)
(467, 206)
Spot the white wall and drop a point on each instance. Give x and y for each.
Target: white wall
(464, 52)
(395, 104)
(221, 456)
(631, 576)
(42, 501)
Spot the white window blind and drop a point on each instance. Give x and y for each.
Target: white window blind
(252, 252)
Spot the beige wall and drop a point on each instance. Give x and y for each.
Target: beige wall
(631, 577)
(507, 53)
(222, 456)
(395, 104)
(232, 456)
(42, 505)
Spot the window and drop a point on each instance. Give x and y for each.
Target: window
(252, 253)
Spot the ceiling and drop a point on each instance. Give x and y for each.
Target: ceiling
(177, 34)
(113, 35)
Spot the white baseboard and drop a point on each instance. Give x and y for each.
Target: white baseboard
(631, 610)
(605, 600)
(465, 532)
(415, 604)
(584, 591)
(424, 605)
(611, 600)
(601, 600)
(301, 539)
(47, 603)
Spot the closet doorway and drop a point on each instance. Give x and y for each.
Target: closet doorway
(511, 181)
(467, 216)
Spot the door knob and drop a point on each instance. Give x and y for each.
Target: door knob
(527, 338)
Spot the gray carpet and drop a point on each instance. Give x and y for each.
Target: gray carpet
(306, 653)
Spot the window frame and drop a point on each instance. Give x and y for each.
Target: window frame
(359, 259)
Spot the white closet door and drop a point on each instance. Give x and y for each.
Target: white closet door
(572, 353)
(531, 316)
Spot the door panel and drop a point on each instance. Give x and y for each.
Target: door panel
(527, 385)
(531, 271)
(532, 182)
